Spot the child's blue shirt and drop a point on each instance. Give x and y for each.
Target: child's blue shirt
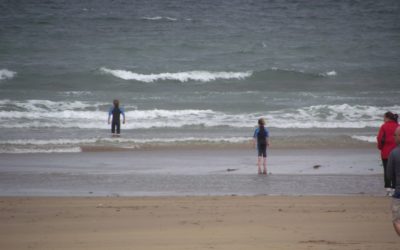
(258, 131)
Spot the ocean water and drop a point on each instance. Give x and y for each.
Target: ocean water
(190, 72)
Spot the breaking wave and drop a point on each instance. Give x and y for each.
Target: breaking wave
(157, 18)
(371, 139)
(87, 115)
(75, 145)
(6, 74)
(201, 76)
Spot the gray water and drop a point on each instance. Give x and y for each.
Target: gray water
(194, 70)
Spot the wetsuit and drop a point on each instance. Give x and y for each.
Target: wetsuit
(116, 112)
(262, 137)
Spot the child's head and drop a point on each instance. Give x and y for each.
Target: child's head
(261, 122)
(116, 103)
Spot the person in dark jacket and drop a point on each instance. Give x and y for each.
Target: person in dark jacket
(393, 174)
(115, 112)
(386, 143)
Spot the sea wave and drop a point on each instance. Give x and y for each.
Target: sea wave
(15, 150)
(201, 76)
(86, 115)
(330, 73)
(273, 74)
(371, 139)
(329, 116)
(278, 74)
(327, 73)
(66, 141)
(75, 145)
(157, 18)
(7, 74)
(46, 105)
(76, 93)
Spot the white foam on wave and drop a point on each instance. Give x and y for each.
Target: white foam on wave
(156, 18)
(47, 142)
(330, 73)
(39, 150)
(330, 116)
(371, 139)
(47, 105)
(6, 74)
(324, 74)
(288, 70)
(96, 119)
(63, 142)
(179, 140)
(201, 76)
(76, 93)
(49, 114)
(74, 145)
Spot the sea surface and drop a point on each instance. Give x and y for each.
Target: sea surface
(195, 72)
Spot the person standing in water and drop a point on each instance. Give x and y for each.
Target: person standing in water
(386, 143)
(261, 141)
(115, 112)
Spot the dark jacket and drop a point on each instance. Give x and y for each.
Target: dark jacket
(393, 168)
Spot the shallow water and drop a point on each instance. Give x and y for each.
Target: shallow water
(191, 172)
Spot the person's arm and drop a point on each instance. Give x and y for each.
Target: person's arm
(267, 137)
(109, 115)
(255, 139)
(390, 169)
(123, 115)
(380, 138)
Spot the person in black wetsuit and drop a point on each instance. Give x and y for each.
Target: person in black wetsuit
(116, 112)
(261, 142)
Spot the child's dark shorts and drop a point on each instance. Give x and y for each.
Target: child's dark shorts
(262, 150)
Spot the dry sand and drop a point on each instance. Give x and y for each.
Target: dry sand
(227, 222)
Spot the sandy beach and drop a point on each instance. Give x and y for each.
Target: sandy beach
(225, 222)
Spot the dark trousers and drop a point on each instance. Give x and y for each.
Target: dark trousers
(388, 183)
(115, 124)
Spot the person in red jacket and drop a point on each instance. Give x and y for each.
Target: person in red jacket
(386, 144)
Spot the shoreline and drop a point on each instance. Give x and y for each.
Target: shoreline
(207, 222)
(192, 172)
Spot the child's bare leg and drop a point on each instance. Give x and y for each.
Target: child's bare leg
(259, 164)
(396, 226)
(265, 165)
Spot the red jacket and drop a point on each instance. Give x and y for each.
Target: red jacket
(385, 138)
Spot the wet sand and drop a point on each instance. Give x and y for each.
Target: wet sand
(256, 222)
(194, 172)
(187, 199)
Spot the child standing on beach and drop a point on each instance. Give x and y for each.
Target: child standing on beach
(261, 139)
(116, 112)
